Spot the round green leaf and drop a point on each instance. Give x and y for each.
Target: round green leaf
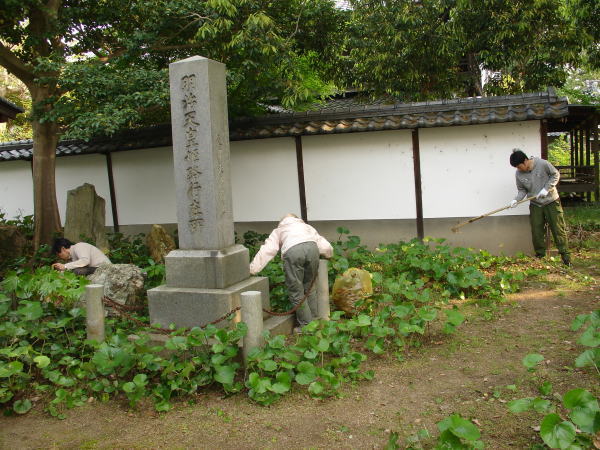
(520, 405)
(323, 345)
(224, 374)
(586, 419)
(541, 405)
(41, 361)
(557, 433)
(268, 365)
(363, 320)
(590, 337)
(283, 384)
(580, 398)
(463, 428)
(31, 310)
(532, 360)
(22, 406)
(315, 388)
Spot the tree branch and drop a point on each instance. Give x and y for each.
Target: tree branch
(15, 66)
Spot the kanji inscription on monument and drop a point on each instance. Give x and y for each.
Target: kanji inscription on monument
(201, 154)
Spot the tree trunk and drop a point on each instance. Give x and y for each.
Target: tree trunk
(45, 206)
(475, 87)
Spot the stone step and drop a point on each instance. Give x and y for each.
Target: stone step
(279, 324)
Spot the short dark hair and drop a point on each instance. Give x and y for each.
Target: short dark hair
(517, 157)
(59, 243)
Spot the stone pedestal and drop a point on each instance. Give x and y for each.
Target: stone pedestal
(195, 307)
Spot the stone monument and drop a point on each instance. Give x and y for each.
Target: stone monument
(207, 274)
(85, 216)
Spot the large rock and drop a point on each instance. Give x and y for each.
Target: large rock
(159, 243)
(85, 216)
(12, 243)
(123, 283)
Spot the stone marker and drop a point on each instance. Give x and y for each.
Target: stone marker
(252, 316)
(94, 312)
(207, 274)
(85, 216)
(323, 307)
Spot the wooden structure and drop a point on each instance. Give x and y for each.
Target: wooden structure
(582, 176)
(8, 110)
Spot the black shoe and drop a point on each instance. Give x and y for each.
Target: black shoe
(540, 256)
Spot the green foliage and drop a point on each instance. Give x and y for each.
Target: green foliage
(43, 346)
(133, 250)
(113, 74)
(583, 217)
(428, 271)
(559, 151)
(15, 91)
(589, 338)
(582, 409)
(423, 50)
(457, 432)
(578, 87)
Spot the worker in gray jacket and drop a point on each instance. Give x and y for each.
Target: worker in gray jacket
(537, 177)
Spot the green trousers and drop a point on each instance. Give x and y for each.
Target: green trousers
(301, 266)
(551, 214)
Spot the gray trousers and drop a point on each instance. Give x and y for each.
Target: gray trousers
(301, 266)
(87, 270)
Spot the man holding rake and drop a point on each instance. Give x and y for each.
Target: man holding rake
(537, 177)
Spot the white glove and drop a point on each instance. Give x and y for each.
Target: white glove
(513, 203)
(541, 194)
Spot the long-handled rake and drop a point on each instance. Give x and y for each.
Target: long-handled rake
(462, 224)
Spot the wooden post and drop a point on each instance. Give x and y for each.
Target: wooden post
(417, 173)
(301, 186)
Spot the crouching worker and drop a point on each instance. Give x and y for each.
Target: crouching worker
(85, 258)
(300, 246)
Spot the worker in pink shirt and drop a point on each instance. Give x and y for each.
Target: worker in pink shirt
(300, 246)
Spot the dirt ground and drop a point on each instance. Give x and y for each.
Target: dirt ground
(466, 373)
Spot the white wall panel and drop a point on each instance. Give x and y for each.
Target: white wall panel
(465, 170)
(74, 171)
(16, 188)
(145, 186)
(359, 176)
(264, 179)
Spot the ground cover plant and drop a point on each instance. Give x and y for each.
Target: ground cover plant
(45, 351)
(398, 320)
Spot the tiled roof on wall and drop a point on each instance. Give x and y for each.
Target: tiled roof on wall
(8, 110)
(343, 115)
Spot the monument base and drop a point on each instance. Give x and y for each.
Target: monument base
(196, 307)
(212, 269)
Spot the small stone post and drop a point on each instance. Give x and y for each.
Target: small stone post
(95, 311)
(323, 308)
(251, 303)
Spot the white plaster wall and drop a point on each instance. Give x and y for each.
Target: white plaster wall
(16, 188)
(73, 171)
(359, 176)
(145, 186)
(465, 170)
(264, 179)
